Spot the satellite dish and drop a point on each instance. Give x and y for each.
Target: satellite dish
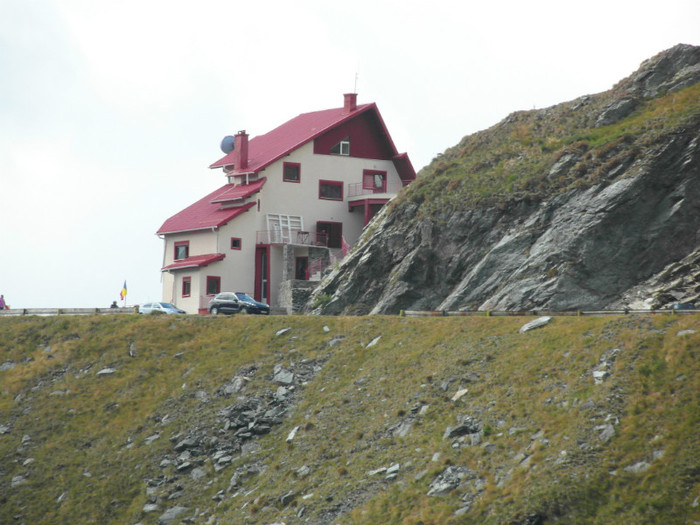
(227, 144)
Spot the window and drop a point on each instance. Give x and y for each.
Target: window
(213, 285)
(186, 286)
(235, 243)
(330, 189)
(291, 172)
(374, 180)
(182, 250)
(342, 148)
(331, 232)
(282, 228)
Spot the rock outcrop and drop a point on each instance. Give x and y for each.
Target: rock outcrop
(606, 221)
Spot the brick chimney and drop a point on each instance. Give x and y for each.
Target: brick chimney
(240, 150)
(350, 102)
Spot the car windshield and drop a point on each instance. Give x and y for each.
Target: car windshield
(167, 306)
(245, 297)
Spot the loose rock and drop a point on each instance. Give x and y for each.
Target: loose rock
(170, 515)
(537, 323)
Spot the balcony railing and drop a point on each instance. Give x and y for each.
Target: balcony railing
(285, 236)
(356, 189)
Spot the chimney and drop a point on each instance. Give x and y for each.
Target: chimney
(350, 102)
(240, 150)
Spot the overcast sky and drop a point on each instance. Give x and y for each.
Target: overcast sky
(110, 112)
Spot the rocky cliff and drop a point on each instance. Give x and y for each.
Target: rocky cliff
(590, 204)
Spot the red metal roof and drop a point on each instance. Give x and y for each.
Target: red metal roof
(405, 168)
(203, 214)
(240, 191)
(195, 261)
(263, 150)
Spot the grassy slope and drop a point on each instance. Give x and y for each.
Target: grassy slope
(86, 434)
(510, 161)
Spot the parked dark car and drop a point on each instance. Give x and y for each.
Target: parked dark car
(224, 303)
(251, 306)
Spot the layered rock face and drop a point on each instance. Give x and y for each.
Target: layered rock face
(612, 226)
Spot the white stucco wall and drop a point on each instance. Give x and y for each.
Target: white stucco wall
(201, 242)
(302, 198)
(237, 269)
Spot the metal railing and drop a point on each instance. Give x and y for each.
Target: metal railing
(525, 313)
(285, 236)
(356, 189)
(68, 311)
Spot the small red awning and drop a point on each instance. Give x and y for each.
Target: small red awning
(196, 261)
(239, 192)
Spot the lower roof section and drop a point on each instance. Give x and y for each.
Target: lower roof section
(203, 215)
(196, 261)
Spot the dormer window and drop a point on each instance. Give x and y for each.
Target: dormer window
(342, 148)
(291, 172)
(182, 250)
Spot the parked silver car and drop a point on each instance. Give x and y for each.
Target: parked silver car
(162, 308)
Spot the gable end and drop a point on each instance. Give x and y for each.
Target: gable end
(366, 134)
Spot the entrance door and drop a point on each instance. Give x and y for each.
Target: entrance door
(333, 231)
(302, 269)
(262, 273)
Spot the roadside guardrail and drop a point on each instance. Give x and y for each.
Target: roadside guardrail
(68, 311)
(514, 313)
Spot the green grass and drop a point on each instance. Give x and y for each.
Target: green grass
(87, 434)
(510, 162)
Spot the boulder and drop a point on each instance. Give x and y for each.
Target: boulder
(637, 468)
(284, 377)
(468, 425)
(171, 515)
(537, 323)
(615, 111)
(7, 365)
(448, 480)
(17, 481)
(185, 444)
(292, 434)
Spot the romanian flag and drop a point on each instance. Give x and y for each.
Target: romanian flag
(122, 294)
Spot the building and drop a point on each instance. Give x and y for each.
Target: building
(294, 199)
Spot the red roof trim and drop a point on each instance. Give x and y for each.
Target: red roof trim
(404, 167)
(196, 261)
